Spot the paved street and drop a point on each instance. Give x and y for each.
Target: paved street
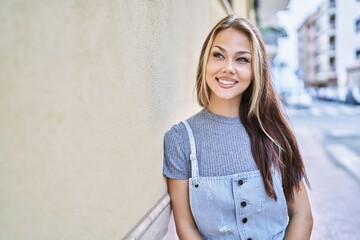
(336, 126)
(329, 136)
(331, 123)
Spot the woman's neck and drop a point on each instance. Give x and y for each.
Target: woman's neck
(226, 108)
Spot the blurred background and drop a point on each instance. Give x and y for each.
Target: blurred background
(88, 89)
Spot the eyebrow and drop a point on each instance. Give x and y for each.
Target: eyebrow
(240, 52)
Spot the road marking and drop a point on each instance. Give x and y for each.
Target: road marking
(315, 111)
(345, 157)
(347, 110)
(343, 133)
(330, 110)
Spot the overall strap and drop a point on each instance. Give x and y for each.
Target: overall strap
(193, 160)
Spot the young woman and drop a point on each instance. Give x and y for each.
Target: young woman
(234, 170)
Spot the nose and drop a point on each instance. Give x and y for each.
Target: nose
(228, 68)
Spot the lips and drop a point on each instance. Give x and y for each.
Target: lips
(226, 82)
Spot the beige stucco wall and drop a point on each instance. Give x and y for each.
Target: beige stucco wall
(87, 90)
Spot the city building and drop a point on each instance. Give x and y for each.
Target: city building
(268, 23)
(329, 49)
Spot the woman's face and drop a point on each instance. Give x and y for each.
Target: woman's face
(228, 70)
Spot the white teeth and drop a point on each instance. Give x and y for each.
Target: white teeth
(226, 82)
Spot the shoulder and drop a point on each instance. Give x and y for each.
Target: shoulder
(176, 141)
(176, 153)
(179, 130)
(175, 133)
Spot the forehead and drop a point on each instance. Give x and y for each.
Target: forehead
(231, 38)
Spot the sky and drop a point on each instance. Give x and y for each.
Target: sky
(290, 20)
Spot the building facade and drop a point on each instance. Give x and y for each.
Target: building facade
(329, 48)
(307, 42)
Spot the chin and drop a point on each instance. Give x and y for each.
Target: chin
(227, 97)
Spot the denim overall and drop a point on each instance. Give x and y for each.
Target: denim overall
(235, 206)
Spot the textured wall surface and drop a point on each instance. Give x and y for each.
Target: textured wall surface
(87, 90)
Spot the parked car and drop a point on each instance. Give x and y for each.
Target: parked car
(328, 94)
(298, 100)
(353, 96)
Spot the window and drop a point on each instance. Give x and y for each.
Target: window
(332, 3)
(332, 21)
(332, 42)
(332, 63)
(357, 25)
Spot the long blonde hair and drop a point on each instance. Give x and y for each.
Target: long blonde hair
(272, 141)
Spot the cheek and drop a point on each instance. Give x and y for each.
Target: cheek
(247, 74)
(212, 67)
(209, 73)
(250, 76)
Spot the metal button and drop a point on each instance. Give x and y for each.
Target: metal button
(243, 204)
(196, 185)
(240, 182)
(244, 220)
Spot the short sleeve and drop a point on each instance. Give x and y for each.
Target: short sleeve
(176, 163)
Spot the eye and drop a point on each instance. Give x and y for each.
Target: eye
(217, 55)
(243, 60)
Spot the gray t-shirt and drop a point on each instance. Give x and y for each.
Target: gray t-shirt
(222, 147)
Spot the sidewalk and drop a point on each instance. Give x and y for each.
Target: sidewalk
(171, 234)
(335, 194)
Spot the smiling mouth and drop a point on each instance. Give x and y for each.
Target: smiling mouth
(226, 83)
